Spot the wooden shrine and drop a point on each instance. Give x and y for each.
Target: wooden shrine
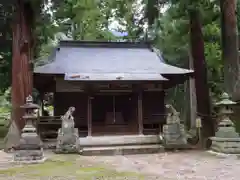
(117, 88)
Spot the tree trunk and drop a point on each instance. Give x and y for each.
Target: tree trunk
(192, 96)
(21, 65)
(152, 11)
(199, 64)
(230, 47)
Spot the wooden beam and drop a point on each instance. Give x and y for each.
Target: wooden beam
(140, 113)
(89, 117)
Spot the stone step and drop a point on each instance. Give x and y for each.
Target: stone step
(125, 140)
(122, 150)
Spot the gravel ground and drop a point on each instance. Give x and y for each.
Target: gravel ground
(194, 165)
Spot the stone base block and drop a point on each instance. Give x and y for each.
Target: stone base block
(179, 144)
(68, 143)
(121, 145)
(96, 141)
(122, 150)
(227, 147)
(67, 149)
(174, 136)
(28, 155)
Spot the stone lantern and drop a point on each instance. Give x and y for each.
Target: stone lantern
(30, 145)
(226, 138)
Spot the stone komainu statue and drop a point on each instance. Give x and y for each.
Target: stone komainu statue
(68, 120)
(174, 135)
(68, 138)
(172, 114)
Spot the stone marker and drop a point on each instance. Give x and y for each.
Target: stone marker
(30, 146)
(226, 139)
(174, 136)
(68, 138)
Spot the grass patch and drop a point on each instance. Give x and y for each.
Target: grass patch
(1, 143)
(3, 128)
(74, 169)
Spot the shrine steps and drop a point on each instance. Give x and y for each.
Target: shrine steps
(121, 145)
(122, 150)
(116, 145)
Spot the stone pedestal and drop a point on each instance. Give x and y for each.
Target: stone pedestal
(30, 146)
(226, 139)
(68, 138)
(68, 143)
(174, 136)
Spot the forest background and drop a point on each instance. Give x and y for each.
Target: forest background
(165, 23)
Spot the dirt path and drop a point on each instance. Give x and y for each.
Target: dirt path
(192, 165)
(181, 165)
(5, 160)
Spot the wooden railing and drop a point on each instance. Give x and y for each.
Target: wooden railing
(49, 120)
(152, 124)
(48, 126)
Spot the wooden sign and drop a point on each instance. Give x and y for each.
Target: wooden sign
(198, 122)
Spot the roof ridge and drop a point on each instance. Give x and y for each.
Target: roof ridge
(104, 44)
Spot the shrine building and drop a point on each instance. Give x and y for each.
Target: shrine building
(117, 88)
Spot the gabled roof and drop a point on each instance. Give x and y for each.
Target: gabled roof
(107, 61)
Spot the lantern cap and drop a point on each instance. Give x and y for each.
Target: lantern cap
(226, 122)
(225, 100)
(29, 103)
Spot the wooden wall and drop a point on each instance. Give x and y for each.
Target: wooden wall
(63, 100)
(72, 94)
(153, 111)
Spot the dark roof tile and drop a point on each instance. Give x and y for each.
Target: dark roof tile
(108, 58)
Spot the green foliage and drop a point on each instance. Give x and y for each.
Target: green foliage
(238, 15)
(5, 45)
(173, 39)
(91, 20)
(5, 67)
(5, 111)
(84, 19)
(5, 105)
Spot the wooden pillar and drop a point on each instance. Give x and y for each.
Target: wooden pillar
(56, 109)
(140, 113)
(89, 115)
(42, 107)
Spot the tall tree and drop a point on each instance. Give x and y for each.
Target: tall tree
(183, 23)
(22, 57)
(152, 11)
(230, 47)
(21, 67)
(200, 73)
